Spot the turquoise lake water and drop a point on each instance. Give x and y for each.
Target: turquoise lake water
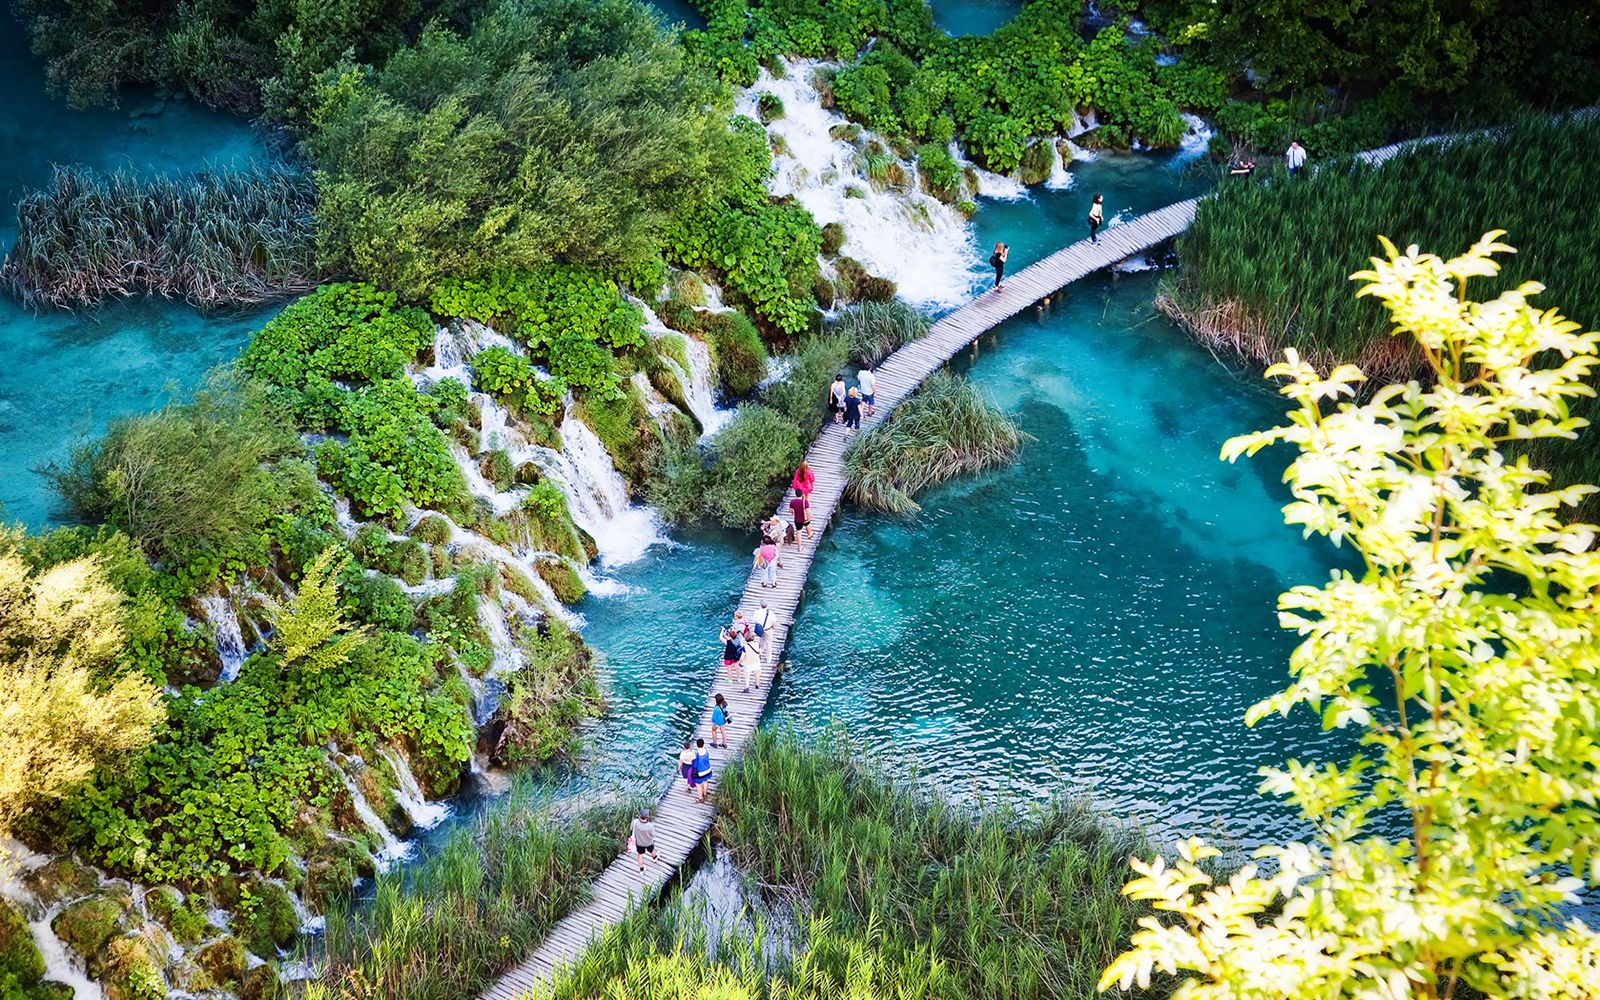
(66, 375)
(1096, 617)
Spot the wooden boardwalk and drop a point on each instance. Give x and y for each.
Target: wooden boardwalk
(680, 822)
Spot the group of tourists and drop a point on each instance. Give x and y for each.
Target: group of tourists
(847, 405)
(1294, 159)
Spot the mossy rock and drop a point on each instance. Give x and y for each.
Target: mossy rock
(183, 917)
(86, 926)
(129, 971)
(875, 289)
(261, 983)
(224, 960)
(823, 291)
(432, 530)
(741, 357)
(688, 288)
(517, 582)
(271, 922)
(563, 579)
(496, 466)
(332, 868)
(61, 879)
(895, 175)
(19, 957)
(833, 235)
(529, 473)
(1036, 163)
(591, 548)
(845, 132)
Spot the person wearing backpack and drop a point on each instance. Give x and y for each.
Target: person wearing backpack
(719, 722)
(997, 260)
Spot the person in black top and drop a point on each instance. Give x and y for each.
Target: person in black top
(1245, 168)
(997, 260)
(852, 409)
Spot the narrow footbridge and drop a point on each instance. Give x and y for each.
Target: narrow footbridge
(681, 822)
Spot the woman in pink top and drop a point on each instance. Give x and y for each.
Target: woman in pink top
(804, 480)
(767, 563)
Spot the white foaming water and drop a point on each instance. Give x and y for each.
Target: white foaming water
(1196, 138)
(60, 965)
(596, 495)
(604, 586)
(393, 849)
(1060, 178)
(507, 654)
(698, 392)
(424, 814)
(924, 246)
(990, 184)
(224, 622)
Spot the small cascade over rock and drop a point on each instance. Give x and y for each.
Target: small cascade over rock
(596, 495)
(1196, 141)
(1000, 187)
(904, 234)
(393, 849)
(60, 965)
(424, 814)
(699, 392)
(224, 621)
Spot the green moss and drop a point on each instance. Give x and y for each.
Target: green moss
(19, 958)
(401, 557)
(496, 467)
(624, 426)
(1036, 163)
(270, 921)
(86, 926)
(61, 879)
(832, 238)
(184, 918)
(129, 972)
(740, 355)
(260, 983)
(563, 579)
(432, 530)
(224, 961)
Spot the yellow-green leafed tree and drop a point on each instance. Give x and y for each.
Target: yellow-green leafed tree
(1466, 651)
(58, 630)
(311, 628)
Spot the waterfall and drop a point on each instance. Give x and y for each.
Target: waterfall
(1196, 139)
(1060, 179)
(394, 849)
(699, 394)
(224, 622)
(596, 495)
(60, 965)
(424, 814)
(923, 245)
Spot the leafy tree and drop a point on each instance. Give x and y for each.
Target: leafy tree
(310, 629)
(1465, 651)
(57, 628)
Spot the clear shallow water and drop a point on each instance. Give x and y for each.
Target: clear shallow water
(67, 375)
(1097, 616)
(973, 17)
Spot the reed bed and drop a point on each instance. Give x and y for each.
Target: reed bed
(877, 329)
(445, 929)
(216, 240)
(1266, 265)
(997, 902)
(947, 429)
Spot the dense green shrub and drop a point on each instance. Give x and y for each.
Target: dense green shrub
(622, 423)
(375, 600)
(509, 377)
(938, 171)
(877, 329)
(556, 129)
(736, 479)
(766, 253)
(741, 357)
(399, 557)
(226, 785)
(346, 332)
(395, 454)
(802, 397)
(550, 527)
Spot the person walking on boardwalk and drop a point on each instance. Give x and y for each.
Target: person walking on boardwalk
(836, 397)
(800, 507)
(1097, 217)
(763, 626)
(868, 381)
(997, 260)
(750, 663)
(1295, 157)
(804, 480)
(766, 563)
(644, 837)
(852, 410)
(702, 770)
(732, 649)
(719, 722)
(686, 765)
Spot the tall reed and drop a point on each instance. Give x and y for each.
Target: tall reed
(947, 429)
(1266, 265)
(446, 928)
(214, 239)
(877, 329)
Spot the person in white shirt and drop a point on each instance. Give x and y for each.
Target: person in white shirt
(763, 626)
(1295, 157)
(869, 387)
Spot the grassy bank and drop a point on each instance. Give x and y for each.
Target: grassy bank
(447, 927)
(1266, 266)
(895, 891)
(947, 429)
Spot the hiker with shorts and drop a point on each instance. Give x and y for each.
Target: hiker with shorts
(868, 381)
(643, 838)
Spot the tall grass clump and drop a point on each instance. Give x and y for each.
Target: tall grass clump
(213, 239)
(1006, 902)
(1267, 266)
(446, 928)
(947, 429)
(877, 329)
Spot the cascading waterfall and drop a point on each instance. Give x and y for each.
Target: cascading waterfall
(699, 394)
(394, 849)
(923, 245)
(424, 814)
(60, 965)
(224, 621)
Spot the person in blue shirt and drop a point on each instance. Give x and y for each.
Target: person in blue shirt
(702, 770)
(719, 723)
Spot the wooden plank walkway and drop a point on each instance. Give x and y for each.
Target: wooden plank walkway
(680, 821)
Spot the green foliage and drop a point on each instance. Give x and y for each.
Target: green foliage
(556, 129)
(431, 530)
(375, 599)
(770, 106)
(482, 902)
(802, 398)
(1448, 852)
(741, 357)
(309, 630)
(938, 171)
(547, 699)
(196, 483)
(738, 478)
(395, 454)
(876, 330)
(947, 429)
(541, 306)
(21, 965)
(214, 239)
(1264, 265)
(623, 425)
(451, 619)
(399, 557)
(228, 783)
(510, 378)
(1005, 903)
(764, 252)
(550, 526)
